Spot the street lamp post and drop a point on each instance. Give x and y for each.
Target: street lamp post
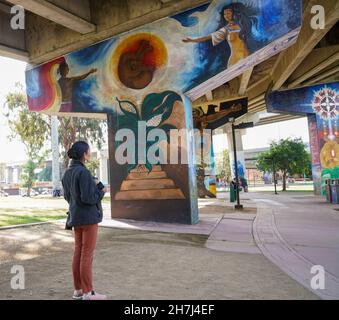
(243, 125)
(238, 205)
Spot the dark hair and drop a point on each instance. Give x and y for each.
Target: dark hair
(245, 15)
(78, 150)
(62, 67)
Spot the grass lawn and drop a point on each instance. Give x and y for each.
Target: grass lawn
(10, 217)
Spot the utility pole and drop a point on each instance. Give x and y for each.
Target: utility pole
(243, 125)
(238, 205)
(55, 157)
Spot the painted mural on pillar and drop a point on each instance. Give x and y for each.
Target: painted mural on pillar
(191, 52)
(170, 187)
(321, 104)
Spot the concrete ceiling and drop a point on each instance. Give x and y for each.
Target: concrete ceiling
(56, 27)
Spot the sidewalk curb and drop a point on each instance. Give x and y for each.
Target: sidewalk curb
(277, 250)
(27, 225)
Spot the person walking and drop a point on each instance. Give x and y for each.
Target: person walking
(84, 195)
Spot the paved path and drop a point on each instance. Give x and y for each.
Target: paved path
(296, 232)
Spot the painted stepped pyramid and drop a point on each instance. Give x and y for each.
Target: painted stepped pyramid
(143, 185)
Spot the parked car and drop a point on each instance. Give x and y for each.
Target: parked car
(32, 194)
(3, 194)
(46, 192)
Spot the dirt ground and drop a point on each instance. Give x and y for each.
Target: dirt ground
(139, 265)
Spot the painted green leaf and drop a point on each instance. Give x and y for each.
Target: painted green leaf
(131, 166)
(129, 109)
(159, 104)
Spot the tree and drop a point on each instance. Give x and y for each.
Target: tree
(45, 174)
(28, 176)
(31, 128)
(92, 166)
(290, 156)
(223, 166)
(72, 129)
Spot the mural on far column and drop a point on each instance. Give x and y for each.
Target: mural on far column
(321, 104)
(150, 74)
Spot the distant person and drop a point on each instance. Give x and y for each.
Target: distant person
(234, 186)
(66, 86)
(244, 183)
(84, 196)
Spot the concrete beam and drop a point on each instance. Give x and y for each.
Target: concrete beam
(277, 118)
(56, 14)
(14, 53)
(258, 88)
(112, 17)
(321, 77)
(244, 80)
(12, 42)
(315, 70)
(215, 101)
(209, 96)
(316, 57)
(308, 38)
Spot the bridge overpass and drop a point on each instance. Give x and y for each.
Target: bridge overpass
(56, 27)
(90, 37)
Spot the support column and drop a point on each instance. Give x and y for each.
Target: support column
(103, 166)
(315, 153)
(55, 156)
(240, 152)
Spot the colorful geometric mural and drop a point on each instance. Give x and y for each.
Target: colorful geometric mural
(150, 75)
(321, 104)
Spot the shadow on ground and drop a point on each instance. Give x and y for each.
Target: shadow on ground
(140, 265)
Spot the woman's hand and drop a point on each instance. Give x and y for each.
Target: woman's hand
(105, 189)
(197, 40)
(186, 40)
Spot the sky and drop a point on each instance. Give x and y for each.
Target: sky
(12, 71)
(261, 136)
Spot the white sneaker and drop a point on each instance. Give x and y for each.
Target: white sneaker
(93, 296)
(77, 295)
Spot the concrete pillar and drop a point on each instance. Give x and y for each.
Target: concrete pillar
(55, 155)
(103, 167)
(240, 152)
(315, 154)
(16, 176)
(9, 175)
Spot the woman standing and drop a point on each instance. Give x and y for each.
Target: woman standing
(84, 196)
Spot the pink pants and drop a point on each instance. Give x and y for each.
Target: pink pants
(85, 241)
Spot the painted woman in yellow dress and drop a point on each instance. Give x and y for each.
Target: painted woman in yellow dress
(237, 21)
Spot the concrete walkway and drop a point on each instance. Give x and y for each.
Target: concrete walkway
(297, 231)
